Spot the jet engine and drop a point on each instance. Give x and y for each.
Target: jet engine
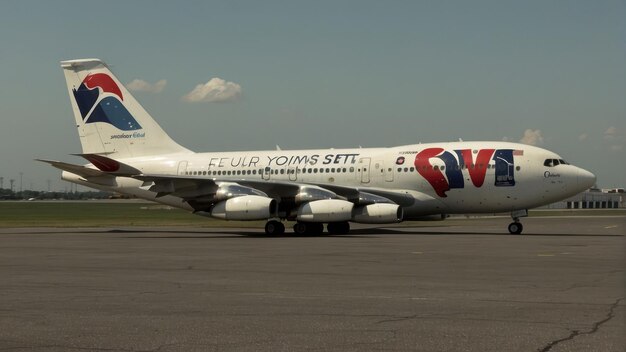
(380, 213)
(326, 210)
(251, 207)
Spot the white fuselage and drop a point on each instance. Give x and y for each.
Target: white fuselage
(440, 178)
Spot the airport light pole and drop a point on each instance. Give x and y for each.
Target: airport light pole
(1, 182)
(12, 181)
(21, 174)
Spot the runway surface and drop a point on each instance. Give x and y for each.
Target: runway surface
(465, 286)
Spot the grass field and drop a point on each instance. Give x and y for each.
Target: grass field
(133, 213)
(104, 214)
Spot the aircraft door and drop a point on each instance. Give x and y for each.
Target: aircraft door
(293, 173)
(266, 173)
(388, 171)
(364, 167)
(182, 167)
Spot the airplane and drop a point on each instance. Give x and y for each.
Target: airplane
(129, 153)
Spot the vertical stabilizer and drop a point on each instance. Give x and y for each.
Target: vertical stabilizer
(109, 119)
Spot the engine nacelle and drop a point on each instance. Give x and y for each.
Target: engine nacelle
(245, 208)
(326, 210)
(380, 213)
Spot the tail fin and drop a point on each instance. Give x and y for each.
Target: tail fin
(109, 119)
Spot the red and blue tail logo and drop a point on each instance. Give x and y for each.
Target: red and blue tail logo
(109, 109)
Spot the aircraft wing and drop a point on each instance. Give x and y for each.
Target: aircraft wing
(200, 191)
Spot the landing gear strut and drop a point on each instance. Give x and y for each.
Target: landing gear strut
(516, 227)
(274, 228)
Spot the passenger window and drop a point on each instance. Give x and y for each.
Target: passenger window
(351, 169)
(344, 169)
(412, 169)
(442, 167)
(399, 169)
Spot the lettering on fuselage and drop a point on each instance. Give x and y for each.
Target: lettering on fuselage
(464, 159)
(283, 160)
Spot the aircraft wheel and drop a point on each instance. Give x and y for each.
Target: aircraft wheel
(300, 228)
(338, 228)
(515, 228)
(308, 228)
(274, 228)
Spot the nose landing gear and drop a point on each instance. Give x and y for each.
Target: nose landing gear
(516, 227)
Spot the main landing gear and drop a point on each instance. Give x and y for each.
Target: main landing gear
(308, 228)
(277, 228)
(516, 227)
(274, 228)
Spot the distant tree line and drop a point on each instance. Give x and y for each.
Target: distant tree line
(7, 194)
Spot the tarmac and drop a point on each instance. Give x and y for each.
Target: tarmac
(458, 285)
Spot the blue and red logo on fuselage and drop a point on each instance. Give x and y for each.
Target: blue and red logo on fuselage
(476, 167)
(109, 109)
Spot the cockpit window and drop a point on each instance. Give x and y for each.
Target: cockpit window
(554, 162)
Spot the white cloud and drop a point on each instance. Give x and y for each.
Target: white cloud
(139, 85)
(615, 138)
(532, 137)
(215, 90)
(610, 133)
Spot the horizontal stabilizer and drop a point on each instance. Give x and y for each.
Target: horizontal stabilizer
(110, 166)
(75, 169)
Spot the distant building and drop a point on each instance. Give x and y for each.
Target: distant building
(593, 199)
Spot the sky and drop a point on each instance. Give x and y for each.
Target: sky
(250, 75)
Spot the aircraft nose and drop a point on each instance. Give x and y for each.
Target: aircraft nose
(586, 178)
